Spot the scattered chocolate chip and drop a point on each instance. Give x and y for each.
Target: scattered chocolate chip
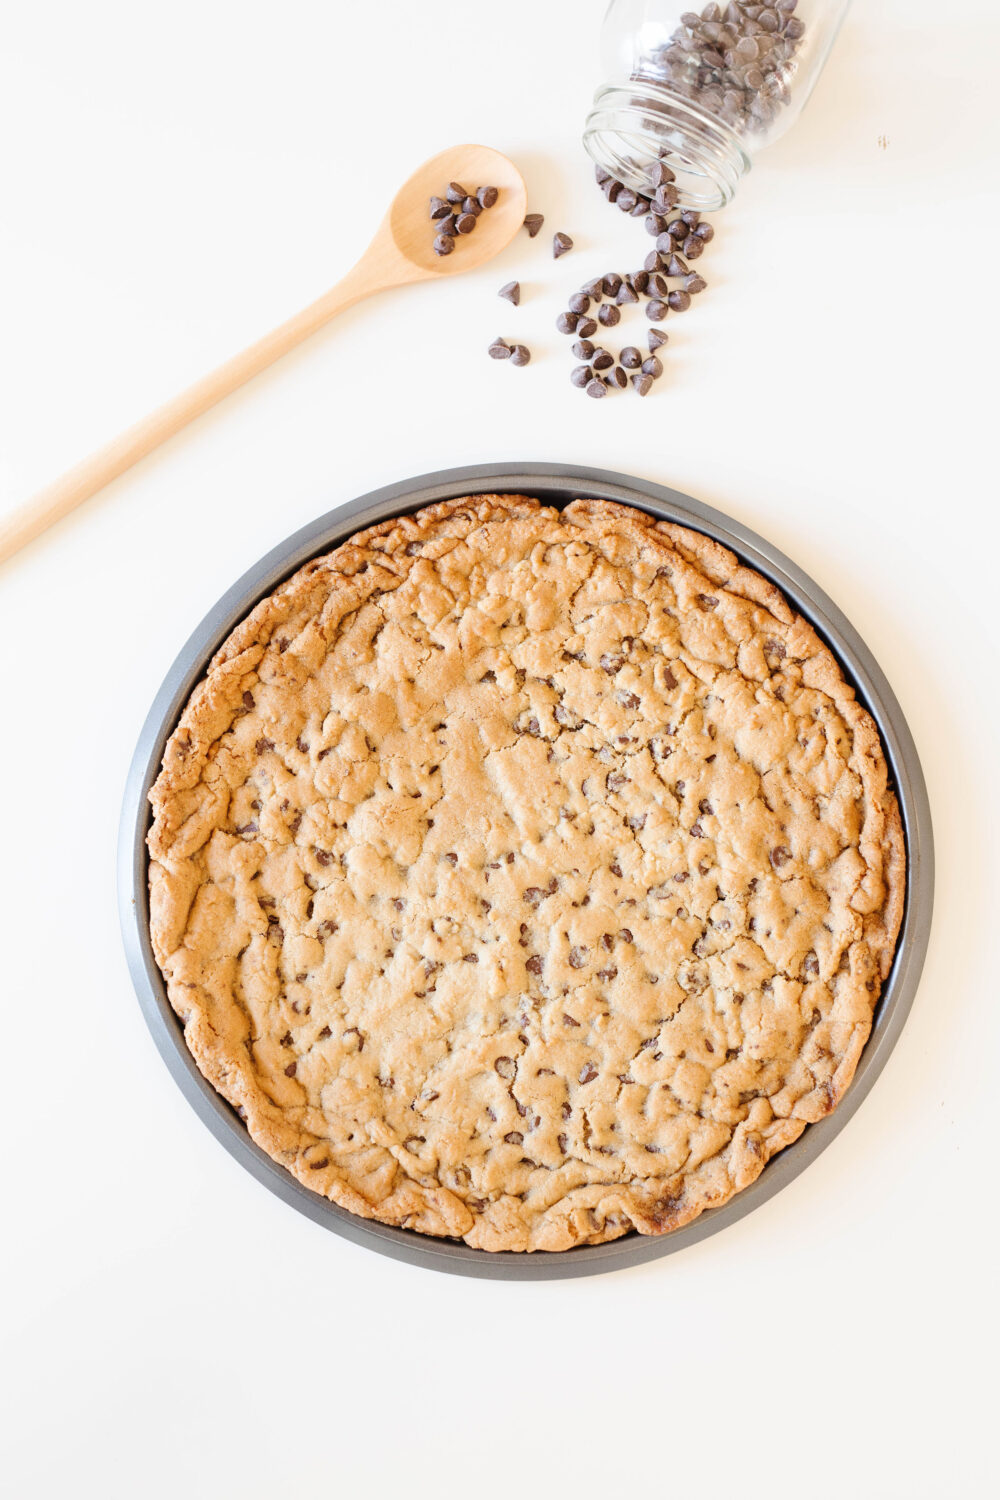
(656, 224)
(455, 193)
(520, 355)
(641, 209)
(443, 244)
(652, 367)
(561, 244)
(512, 292)
(695, 283)
(472, 206)
(583, 349)
(612, 282)
(665, 243)
(643, 384)
(705, 232)
(679, 301)
(655, 339)
(438, 208)
(499, 349)
(639, 281)
(465, 223)
(594, 289)
(446, 225)
(618, 378)
(487, 196)
(602, 360)
(630, 357)
(626, 200)
(579, 302)
(567, 321)
(533, 223)
(609, 314)
(691, 217)
(597, 389)
(582, 375)
(677, 230)
(611, 189)
(587, 328)
(660, 173)
(676, 266)
(693, 247)
(656, 310)
(665, 198)
(652, 262)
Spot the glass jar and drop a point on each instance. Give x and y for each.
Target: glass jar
(705, 90)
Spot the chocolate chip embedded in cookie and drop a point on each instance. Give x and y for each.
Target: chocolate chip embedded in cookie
(525, 876)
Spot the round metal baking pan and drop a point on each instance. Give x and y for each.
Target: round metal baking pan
(554, 484)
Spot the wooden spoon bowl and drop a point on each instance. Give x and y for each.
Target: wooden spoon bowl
(412, 231)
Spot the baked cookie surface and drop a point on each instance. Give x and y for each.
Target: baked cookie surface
(525, 876)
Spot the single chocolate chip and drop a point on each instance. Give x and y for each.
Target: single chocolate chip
(438, 208)
(658, 286)
(656, 224)
(465, 223)
(609, 314)
(626, 200)
(520, 355)
(618, 378)
(665, 198)
(626, 295)
(640, 280)
(655, 339)
(679, 301)
(455, 193)
(611, 189)
(659, 173)
(472, 206)
(641, 208)
(677, 231)
(612, 282)
(643, 384)
(587, 328)
(705, 232)
(676, 267)
(446, 225)
(561, 243)
(691, 217)
(694, 283)
(499, 350)
(652, 366)
(512, 292)
(656, 310)
(596, 388)
(652, 261)
(602, 360)
(579, 303)
(665, 243)
(630, 357)
(567, 321)
(693, 247)
(533, 223)
(582, 375)
(487, 196)
(443, 244)
(583, 349)
(594, 289)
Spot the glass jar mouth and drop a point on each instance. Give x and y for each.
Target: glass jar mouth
(635, 124)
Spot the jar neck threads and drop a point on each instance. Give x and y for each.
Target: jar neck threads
(633, 125)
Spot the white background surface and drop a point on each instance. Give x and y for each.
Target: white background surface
(174, 181)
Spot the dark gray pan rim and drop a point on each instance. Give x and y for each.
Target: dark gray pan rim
(554, 484)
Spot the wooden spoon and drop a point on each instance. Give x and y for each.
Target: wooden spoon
(401, 253)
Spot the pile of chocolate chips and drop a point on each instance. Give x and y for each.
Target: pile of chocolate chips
(457, 213)
(732, 61)
(666, 281)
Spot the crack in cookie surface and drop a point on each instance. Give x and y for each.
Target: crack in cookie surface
(525, 876)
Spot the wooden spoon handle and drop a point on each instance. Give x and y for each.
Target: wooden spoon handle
(86, 478)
